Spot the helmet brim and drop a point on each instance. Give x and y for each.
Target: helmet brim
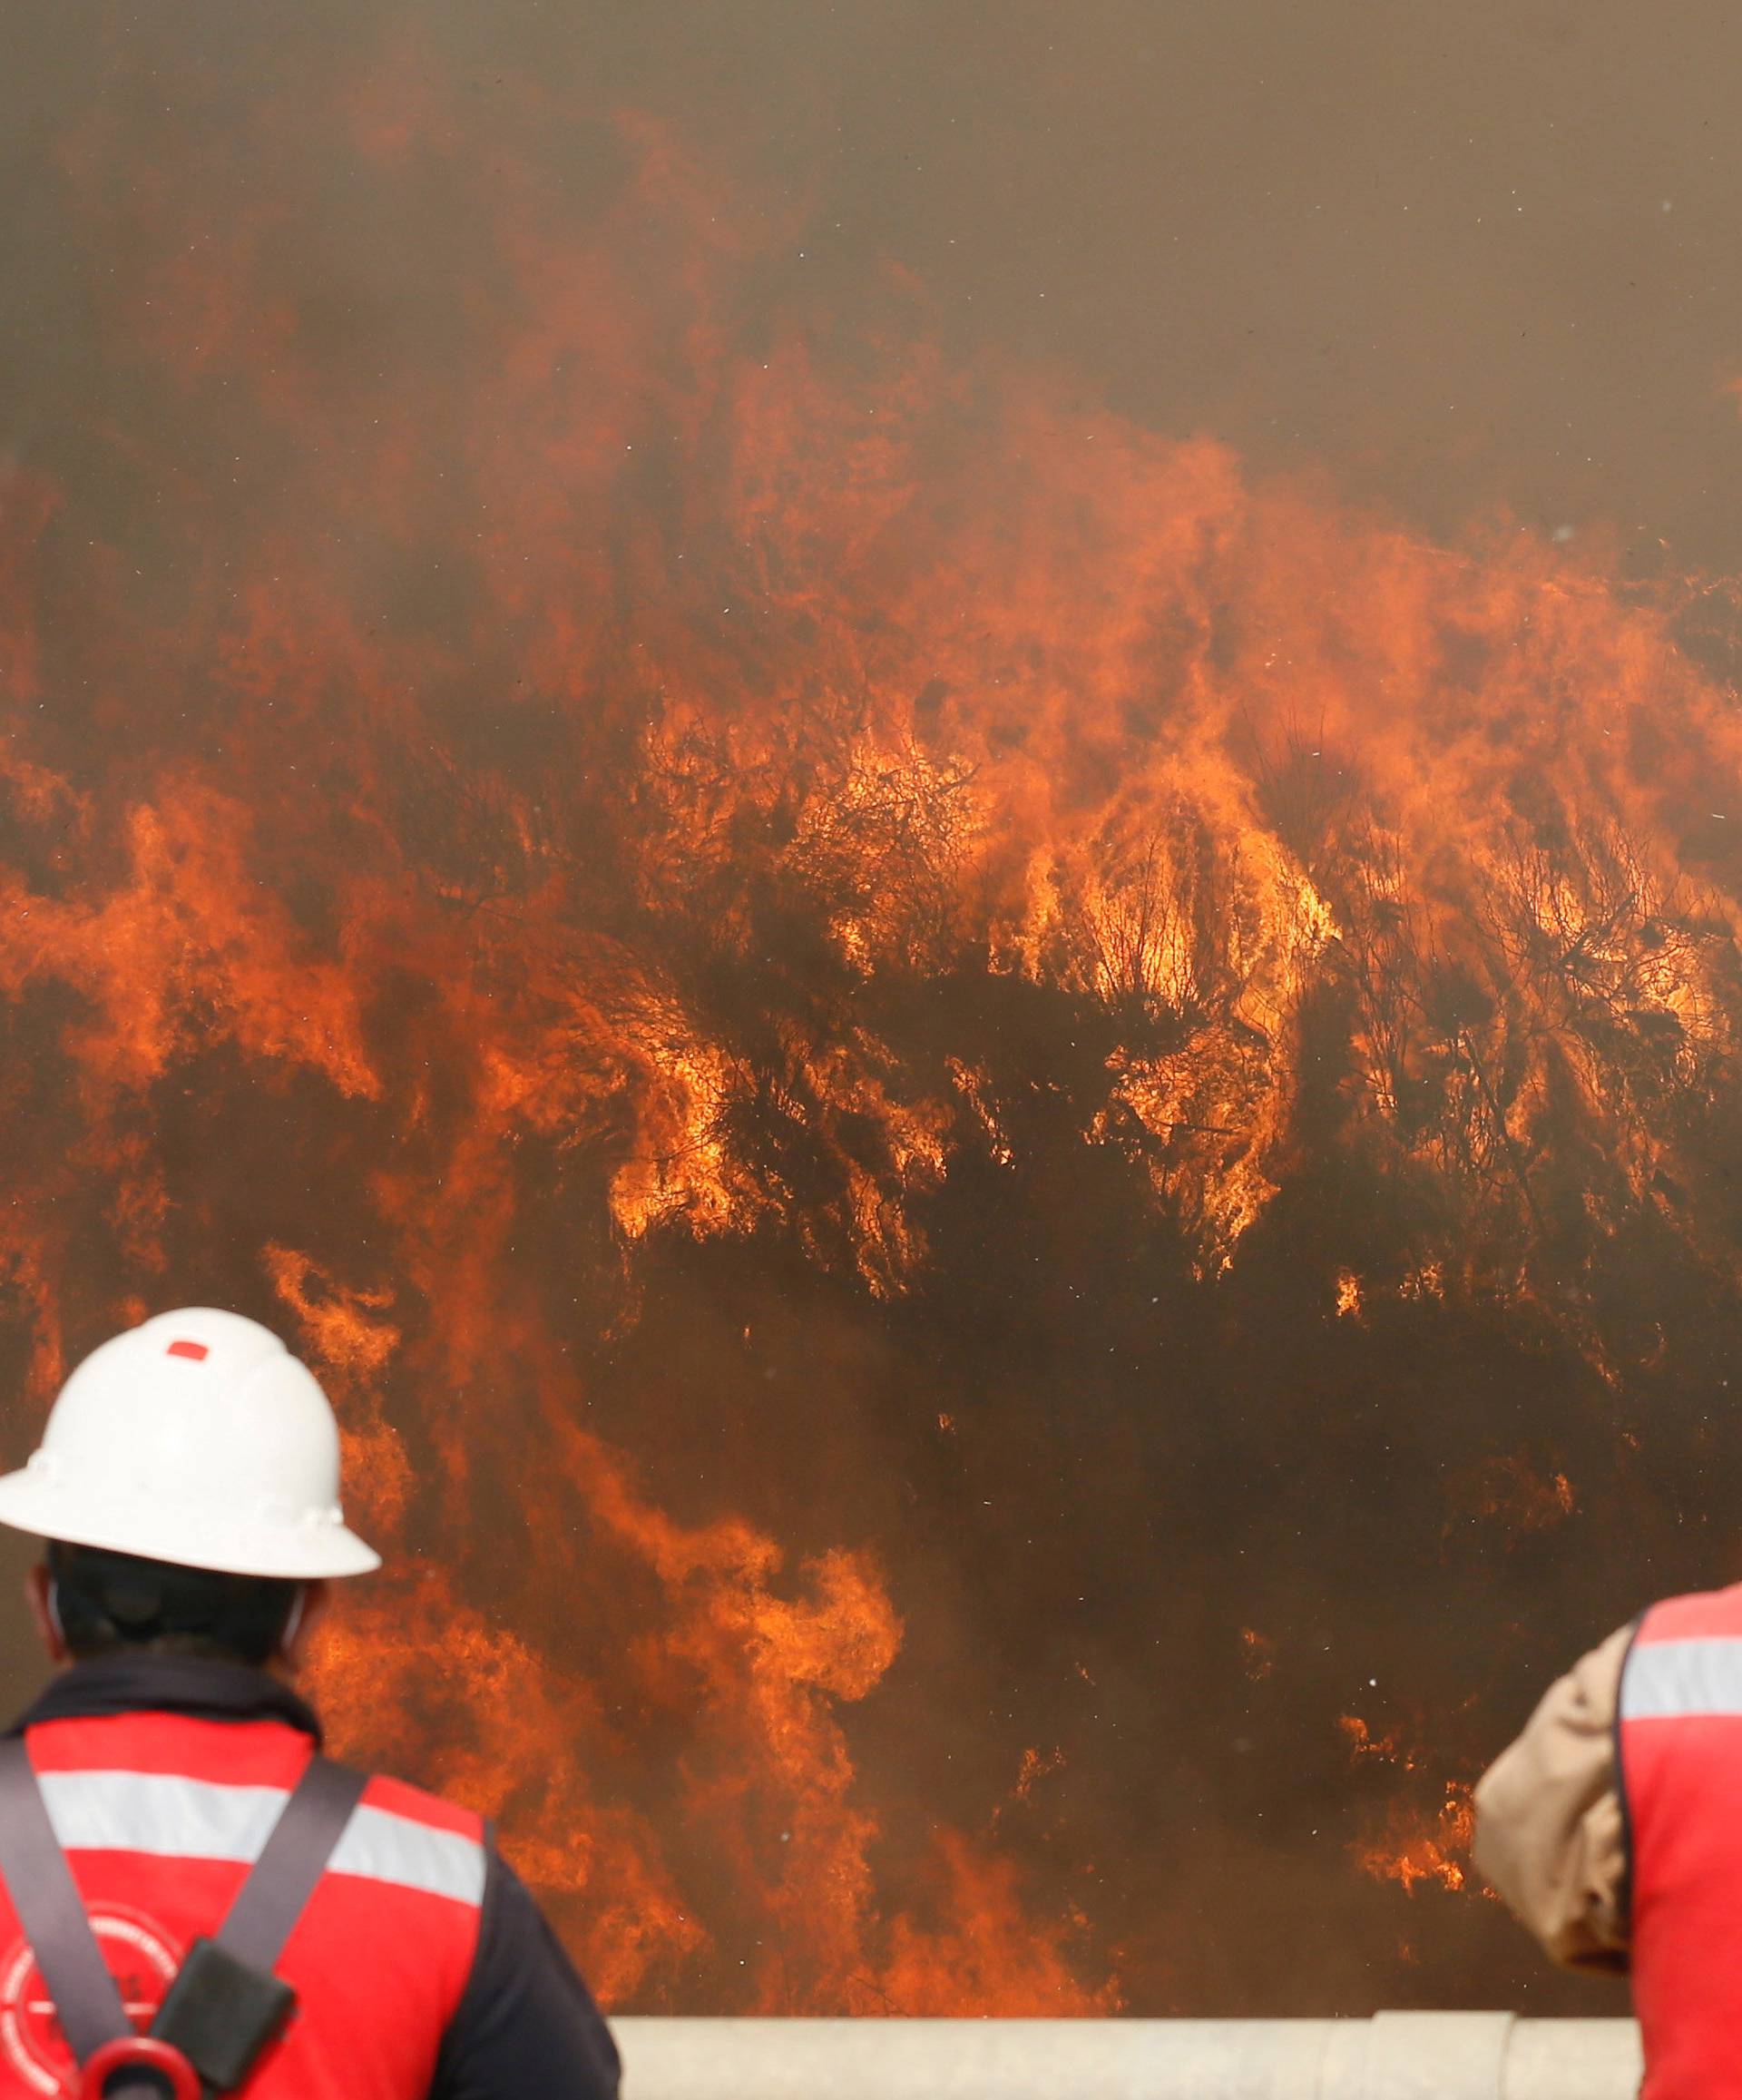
(185, 1537)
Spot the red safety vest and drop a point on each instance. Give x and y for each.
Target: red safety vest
(162, 1816)
(1680, 1745)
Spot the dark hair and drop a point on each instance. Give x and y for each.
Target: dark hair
(108, 1601)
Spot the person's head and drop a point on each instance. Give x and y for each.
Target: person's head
(89, 1602)
(188, 1484)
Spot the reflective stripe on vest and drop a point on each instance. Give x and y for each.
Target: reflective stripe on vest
(1669, 1680)
(1679, 1736)
(191, 1819)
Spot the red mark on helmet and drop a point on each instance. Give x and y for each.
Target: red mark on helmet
(196, 1349)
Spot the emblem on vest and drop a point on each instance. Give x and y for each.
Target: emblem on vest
(143, 1962)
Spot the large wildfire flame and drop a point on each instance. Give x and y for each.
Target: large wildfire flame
(625, 842)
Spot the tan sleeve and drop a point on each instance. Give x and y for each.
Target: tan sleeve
(1548, 1833)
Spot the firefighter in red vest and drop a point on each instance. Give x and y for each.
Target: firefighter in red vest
(193, 1899)
(1610, 1827)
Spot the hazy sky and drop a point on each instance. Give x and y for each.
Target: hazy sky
(1459, 258)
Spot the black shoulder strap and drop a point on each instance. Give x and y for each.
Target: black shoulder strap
(52, 1914)
(276, 1893)
(51, 1911)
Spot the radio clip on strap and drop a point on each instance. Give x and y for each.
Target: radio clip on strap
(225, 2004)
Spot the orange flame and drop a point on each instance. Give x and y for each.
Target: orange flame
(1436, 1852)
(526, 820)
(1363, 1743)
(1509, 1489)
(1257, 1653)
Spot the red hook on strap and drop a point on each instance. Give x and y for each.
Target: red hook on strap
(143, 2052)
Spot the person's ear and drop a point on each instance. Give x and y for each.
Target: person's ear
(39, 1595)
(306, 1614)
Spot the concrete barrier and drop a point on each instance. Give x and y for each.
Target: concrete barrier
(1393, 2057)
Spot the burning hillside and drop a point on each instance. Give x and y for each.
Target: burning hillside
(925, 1068)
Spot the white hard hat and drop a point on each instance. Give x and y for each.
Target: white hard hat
(196, 1438)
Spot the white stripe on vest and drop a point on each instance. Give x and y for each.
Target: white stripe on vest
(175, 1818)
(1665, 1680)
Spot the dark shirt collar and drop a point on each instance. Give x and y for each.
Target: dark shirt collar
(198, 1685)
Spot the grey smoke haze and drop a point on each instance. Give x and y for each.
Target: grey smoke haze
(1455, 258)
